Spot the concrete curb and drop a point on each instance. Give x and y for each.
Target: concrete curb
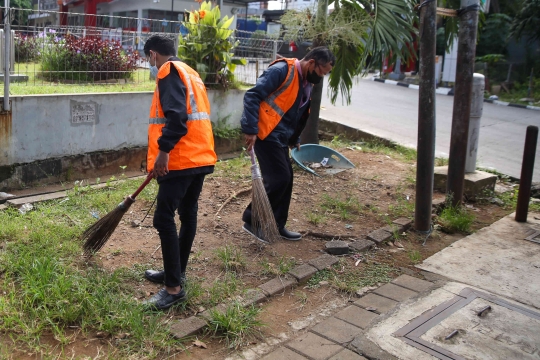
(448, 91)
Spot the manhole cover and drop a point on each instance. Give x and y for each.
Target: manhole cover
(534, 236)
(475, 325)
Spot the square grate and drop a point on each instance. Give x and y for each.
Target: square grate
(461, 324)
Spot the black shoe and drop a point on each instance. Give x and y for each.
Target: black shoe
(155, 276)
(163, 300)
(247, 228)
(289, 235)
(158, 277)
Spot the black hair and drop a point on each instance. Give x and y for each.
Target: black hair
(322, 56)
(161, 44)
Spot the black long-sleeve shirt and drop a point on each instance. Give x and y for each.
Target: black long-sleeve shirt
(172, 96)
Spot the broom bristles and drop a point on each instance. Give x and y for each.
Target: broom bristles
(262, 216)
(97, 235)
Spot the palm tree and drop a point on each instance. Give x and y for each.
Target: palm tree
(360, 33)
(527, 21)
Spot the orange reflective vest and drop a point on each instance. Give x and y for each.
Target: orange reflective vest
(196, 148)
(279, 102)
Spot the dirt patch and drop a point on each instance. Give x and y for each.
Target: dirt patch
(349, 204)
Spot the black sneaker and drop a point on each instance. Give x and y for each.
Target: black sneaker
(289, 235)
(163, 300)
(158, 277)
(247, 228)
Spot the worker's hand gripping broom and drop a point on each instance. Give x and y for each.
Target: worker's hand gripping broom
(97, 235)
(263, 223)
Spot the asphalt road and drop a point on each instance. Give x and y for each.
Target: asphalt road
(391, 112)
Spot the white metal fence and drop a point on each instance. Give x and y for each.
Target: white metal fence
(96, 49)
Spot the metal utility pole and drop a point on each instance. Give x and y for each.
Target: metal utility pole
(527, 167)
(468, 26)
(7, 55)
(426, 118)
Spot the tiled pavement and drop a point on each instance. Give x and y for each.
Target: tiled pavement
(333, 338)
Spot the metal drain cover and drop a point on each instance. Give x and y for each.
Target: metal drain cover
(533, 235)
(475, 325)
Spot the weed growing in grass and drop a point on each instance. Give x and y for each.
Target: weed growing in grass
(236, 325)
(237, 168)
(232, 258)
(283, 266)
(222, 288)
(509, 200)
(456, 219)
(404, 205)
(441, 161)
(370, 275)
(323, 275)
(345, 209)
(415, 256)
(315, 218)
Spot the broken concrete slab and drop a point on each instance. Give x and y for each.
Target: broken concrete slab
(377, 302)
(324, 261)
(379, 236)
(303, 272)
(278, 285)
(187, 327)
(393, 229)
(361, 245)
(337, 247)
(207, 314)
(2, 207)
(406, 223)
(394, 292)
(347, 354)
(18, 202)
(363, 346)
(412, 283)
(336, 330)
(283, 353)
(356, 316)
(314, 346)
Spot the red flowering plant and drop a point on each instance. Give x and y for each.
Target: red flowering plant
(88, 59)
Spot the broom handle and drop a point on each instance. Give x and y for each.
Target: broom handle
(252, 154)
(143, 185)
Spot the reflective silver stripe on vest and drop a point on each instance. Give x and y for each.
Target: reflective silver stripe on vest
(192, 101)
(157, 120)
(270, 100)
(198, 116)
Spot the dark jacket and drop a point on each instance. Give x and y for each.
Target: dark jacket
(288, 130)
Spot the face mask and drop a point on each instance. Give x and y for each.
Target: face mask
(153, 71)
(313, 78)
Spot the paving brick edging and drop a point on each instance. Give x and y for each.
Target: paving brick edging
(447, 91)
(299, 274)
(342, 336)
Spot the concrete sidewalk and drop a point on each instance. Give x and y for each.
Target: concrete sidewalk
(480, 300)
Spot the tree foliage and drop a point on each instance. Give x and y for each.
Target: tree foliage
(358, 32)
(527, 21)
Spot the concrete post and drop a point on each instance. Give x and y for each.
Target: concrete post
(7, 55)
(477, 105)
(468, 26)
(274, 50)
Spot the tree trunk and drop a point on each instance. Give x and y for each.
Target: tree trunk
(310, 135)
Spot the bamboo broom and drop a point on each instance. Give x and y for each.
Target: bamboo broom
(97, 235)
(263, 222)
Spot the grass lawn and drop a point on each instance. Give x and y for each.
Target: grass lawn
(36, 85)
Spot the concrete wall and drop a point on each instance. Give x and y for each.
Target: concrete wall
(46, 127)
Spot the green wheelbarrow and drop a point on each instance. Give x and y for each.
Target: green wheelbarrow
(326, 160)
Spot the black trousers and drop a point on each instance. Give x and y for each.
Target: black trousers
(179, 194)
(277, 174)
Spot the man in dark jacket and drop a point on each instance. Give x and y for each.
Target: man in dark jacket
(275, 113)
(180, 155)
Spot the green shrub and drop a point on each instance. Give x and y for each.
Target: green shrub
(27, 48)
(87, 59)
